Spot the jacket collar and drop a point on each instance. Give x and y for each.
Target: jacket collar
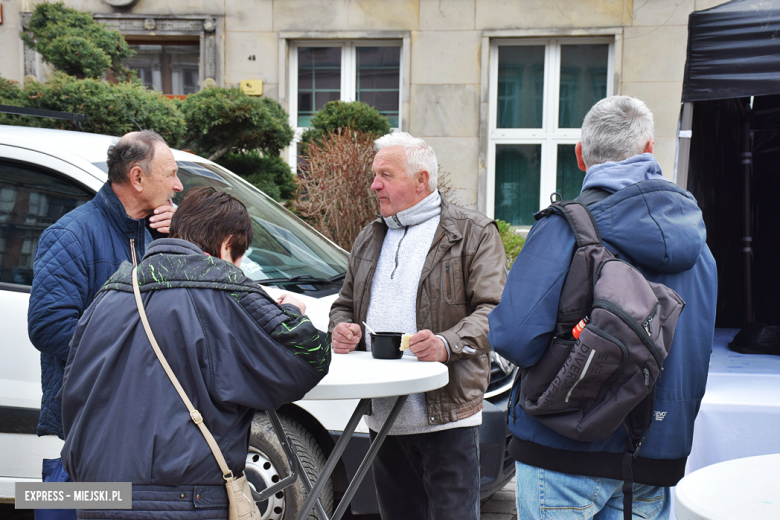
(164, 267)
(446, 234)
(107, 201)
(447, 223)
(172, 246)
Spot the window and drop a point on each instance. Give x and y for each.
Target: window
(31, 200)
(168, 67)
(540, 91)
(368, 71)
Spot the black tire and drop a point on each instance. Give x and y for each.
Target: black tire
(267, 464)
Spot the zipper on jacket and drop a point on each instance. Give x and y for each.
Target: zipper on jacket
(437, 240)
(447, 276)
(514, 395)
(646, 372)
(132, 252)
(632, 323)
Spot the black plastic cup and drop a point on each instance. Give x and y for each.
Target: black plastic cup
(386, 345)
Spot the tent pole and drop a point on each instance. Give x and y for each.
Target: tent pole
(684, 145)
(747, 231)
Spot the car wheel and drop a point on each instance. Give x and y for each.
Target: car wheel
(267, 464)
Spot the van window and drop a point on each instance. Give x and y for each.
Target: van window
(31, 199)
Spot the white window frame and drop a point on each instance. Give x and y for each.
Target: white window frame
(550, 135)
(348, 78)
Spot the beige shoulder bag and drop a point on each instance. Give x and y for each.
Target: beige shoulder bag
(241, 504)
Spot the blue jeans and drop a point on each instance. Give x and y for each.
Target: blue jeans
(429, 476)
(544, 494)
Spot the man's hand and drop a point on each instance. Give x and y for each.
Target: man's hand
(161, 220)
(292, 300)
(345, 337)
(427, 347)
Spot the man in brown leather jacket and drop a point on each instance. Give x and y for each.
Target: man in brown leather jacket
(433, 270)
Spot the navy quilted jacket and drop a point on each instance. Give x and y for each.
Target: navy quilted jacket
(75, 257)
(232, 347)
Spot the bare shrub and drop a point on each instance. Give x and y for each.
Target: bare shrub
(334, 186)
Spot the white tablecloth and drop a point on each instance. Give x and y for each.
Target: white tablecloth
(740, 412)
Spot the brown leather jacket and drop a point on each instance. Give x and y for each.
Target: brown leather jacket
(461, 281)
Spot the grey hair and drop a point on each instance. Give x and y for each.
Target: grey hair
(135, 148)
(615, 129)
(419, 155)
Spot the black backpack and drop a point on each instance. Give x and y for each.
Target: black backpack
(586, 388)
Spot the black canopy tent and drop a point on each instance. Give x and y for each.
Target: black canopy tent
(729, 151)
(733, 51)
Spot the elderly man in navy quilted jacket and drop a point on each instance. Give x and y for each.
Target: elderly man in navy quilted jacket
(79, 253)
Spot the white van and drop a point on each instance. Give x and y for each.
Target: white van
(46, 173)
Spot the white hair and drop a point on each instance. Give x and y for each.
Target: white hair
(615, 129)
(419, 155)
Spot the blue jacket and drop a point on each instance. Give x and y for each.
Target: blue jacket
(74, 258)
(657, 227)
(231, 346)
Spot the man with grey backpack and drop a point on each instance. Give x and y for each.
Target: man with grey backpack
(609, 310)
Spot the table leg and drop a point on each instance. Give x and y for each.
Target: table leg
(369, 459)
(330, 465)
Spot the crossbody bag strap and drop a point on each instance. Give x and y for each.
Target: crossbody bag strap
(194, 414)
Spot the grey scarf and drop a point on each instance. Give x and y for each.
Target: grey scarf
(429, 207)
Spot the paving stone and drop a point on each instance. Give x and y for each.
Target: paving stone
(494, 516)
(504, 495)
(498, 506)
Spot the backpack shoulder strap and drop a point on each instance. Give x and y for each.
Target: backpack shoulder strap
(592, 195)
(581, 221)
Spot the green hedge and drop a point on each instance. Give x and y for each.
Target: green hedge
(267, 172)
(108, 106)
(223, 120)
(74, 43)
(336, 115)
(512, 240)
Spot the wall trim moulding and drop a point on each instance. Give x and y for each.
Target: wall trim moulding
(344, 35)
(552, 32)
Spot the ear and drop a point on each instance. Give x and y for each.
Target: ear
(421, 183)
(649, 147)
(136, 177)
(578, 153)
(224, 250)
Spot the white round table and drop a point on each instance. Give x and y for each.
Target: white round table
(747, 488)
(358, 375)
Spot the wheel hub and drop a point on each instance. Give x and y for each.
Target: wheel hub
(262, 474)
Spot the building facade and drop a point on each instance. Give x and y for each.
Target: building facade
(499, 88)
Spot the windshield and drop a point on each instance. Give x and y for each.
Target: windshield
(283, 246)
